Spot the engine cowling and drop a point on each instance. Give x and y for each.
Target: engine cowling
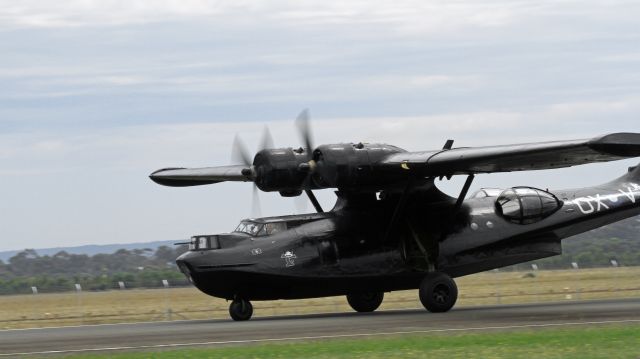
(278, 169)
(342, 166)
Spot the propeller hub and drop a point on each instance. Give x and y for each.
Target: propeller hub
(307, 167)
(248, 172)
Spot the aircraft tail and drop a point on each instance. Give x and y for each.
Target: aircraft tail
(634, 173)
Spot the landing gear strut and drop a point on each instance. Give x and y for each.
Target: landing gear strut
(365, 302)
(240, 309)
(438, 292)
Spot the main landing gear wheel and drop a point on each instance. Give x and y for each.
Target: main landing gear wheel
(438, 292)
(365, 302)
(240, 310)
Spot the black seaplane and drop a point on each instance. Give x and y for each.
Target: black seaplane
(391, 228)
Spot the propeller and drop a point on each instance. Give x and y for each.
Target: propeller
(240, 152)
(269, 170)
(240, 155)
(304, 128)
(303, 123)
(256, 208)
(267, 141)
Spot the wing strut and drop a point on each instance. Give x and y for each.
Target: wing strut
(463, 193)
(399, 207)
(314, 201)
(458, 205)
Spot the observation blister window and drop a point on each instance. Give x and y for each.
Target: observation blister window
(526, 205)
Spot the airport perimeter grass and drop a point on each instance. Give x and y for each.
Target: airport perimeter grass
(578, 342)
(118, 306)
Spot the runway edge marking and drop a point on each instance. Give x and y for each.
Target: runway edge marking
(337, 336)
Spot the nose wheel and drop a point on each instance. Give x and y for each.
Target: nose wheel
(240, 310)
(438, 292)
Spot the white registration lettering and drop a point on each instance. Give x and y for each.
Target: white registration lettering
(598, 200)
(586, 204)
(583, 210)
(629, 194)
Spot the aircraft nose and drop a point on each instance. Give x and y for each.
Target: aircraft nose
(184, 267)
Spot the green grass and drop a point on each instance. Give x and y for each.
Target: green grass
(593, 342)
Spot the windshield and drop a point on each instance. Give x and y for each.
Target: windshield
(259, 229)
(250, 228)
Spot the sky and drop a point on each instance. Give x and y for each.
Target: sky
(95, 95)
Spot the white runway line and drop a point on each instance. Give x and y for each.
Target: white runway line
(197, 320)
(358, 335)
(104, 325)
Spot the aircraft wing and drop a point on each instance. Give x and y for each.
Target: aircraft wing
(520, 157)
(182, 177)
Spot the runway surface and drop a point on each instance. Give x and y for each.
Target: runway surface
(289, 328)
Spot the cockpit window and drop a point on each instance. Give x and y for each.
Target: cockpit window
(204, 242)
(255, 229)
(273, 228)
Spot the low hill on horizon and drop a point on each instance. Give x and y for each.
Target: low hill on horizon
(91, 249)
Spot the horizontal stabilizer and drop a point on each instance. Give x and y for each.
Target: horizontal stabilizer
(184, 177)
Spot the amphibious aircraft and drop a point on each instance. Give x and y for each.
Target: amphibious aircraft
(391, 228)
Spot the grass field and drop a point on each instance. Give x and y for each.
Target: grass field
(22, 311)
(584, 343)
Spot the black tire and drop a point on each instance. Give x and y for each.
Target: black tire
(365, 302)
(438, 292)
(240, 310)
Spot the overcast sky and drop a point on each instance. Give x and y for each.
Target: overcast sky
(95, 95)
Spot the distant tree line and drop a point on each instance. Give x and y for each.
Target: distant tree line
(619, 241)
(591, 253)
(147, 268)
(60, 272)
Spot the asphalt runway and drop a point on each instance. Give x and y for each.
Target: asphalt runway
(177, 334)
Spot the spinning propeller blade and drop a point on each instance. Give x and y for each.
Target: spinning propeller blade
(304, 128)
(267, 140)
(258, 169)
(240, 153)
(256, 208)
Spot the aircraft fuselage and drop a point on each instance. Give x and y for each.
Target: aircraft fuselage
(369, 244)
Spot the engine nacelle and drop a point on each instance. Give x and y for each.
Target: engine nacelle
(343, 166)
(278, 169)
(350, 165)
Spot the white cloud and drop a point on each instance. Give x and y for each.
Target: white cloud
(415, 82)
(407, 16)
(72, 13)
(203, 144)
(632, 57)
